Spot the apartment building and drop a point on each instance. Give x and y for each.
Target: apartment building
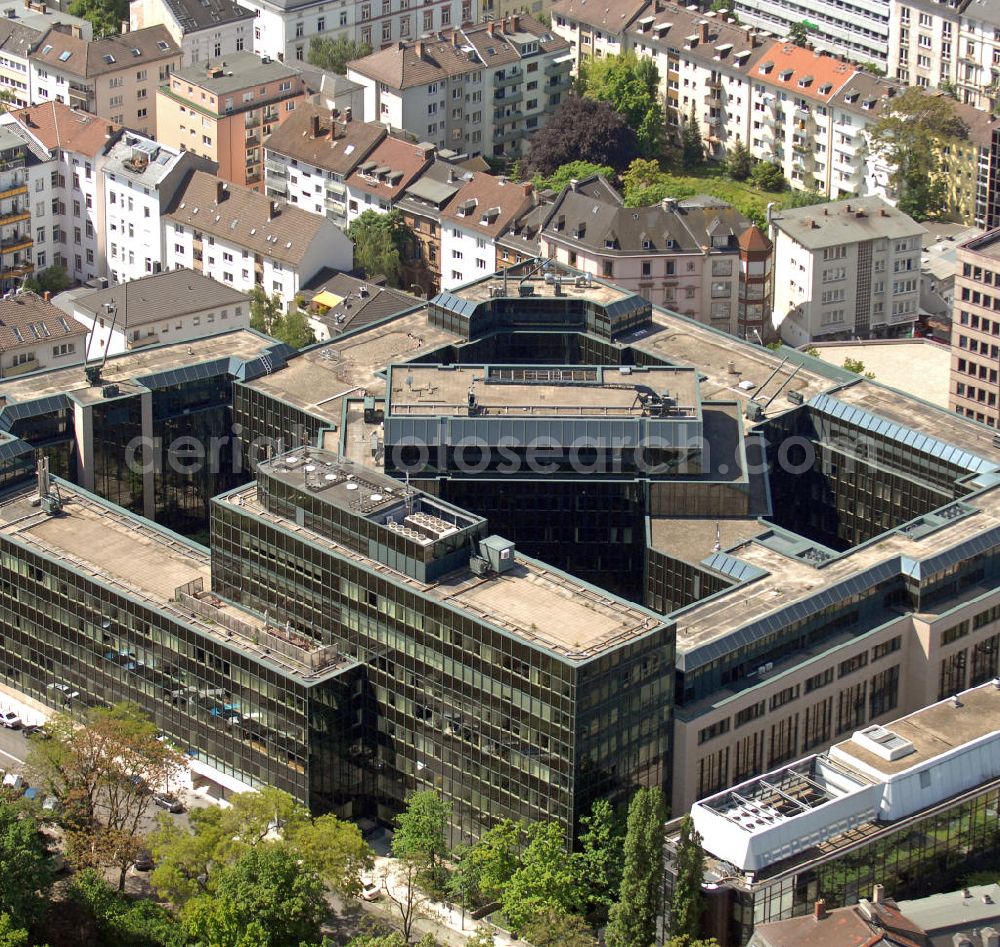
(378, 181)
(35, 335)
(283, 28)
(140, 179)
(704, 62)
(309, 156)
(23, 172)
(480, 89)
(924, 42)
(845, 270)
(115, 77)
(67, 204)
(483, 210)
(598, 30)
(173, 306)
(224, 111)
(243, 239)
(204, 29)
(975, 330)
(683, 255)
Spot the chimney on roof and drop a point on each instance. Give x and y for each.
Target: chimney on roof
(703, 30)
(669, 204)
(46, 295)
(528, 188)
(272, 210)
(878, 894)
(348, 114)
(515, 23)
(124, 27)
(420, 49)
(27, 119)
(454, 37)
(110, 131)
(491, 28)
(315, 126)
(819, 910)
(220, 191)
(848, 209)
(76, 31)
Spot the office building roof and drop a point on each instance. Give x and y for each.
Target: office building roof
(848, 221)
(65, 53)
(315, 135)
(880, 775)
(245, 218)
(985, 244)
(236, 72)
(59, 127)
(195, 15)
(160, 297)
(27, 319)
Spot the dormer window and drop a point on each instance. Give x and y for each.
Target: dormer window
(826, 88)
(765, 68)
(785, 75)
(580, 232)
(805, 82)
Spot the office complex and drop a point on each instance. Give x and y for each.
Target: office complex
(910, 806)
(813, 553)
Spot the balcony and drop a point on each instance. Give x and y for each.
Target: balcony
(713, 97)
(335, 188)
(506, 80)
(252, 121)
(562, 82)
(15, 272)
(14, 244)
(508, 98)
(252, 141)
(14, 217)
(513, 134)
(253, 177)
(14, 191)
(336, 208)
(715, 84)
(554, 68)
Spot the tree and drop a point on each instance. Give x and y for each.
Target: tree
(333, 55)
(402, 887)
(265, 898)
(25, 873)
(692, 147)
(381, 242)
(103, 771)
(725, 7)
(116, 919)
(53, 280)
(600, 857)
(553, 928)
(631, 86)
(495, 857)
(798, 33)
(335, 850)
(583, 129)
(632, 919)
(420, 833)
(854, 365)
(268, 315)
(688, 901)
(574, 171)
(768, 176)
(685, 941)
(910, 133)
(11, 936)
(873, 69)
(547, 877)
(739, 162)
(185, 859)
(105, 16)
(804, 199)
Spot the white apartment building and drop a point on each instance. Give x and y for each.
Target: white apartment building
(174, 306)
(481, 212)
(67, 199)
(308, 157)
(703, 62)
(140, 179)
(34, 335)
(479, 90)
(387, 171)
(849, 269)
(283, 28)
(923, 41)
(242, 238)
(204, 29)
(596, 30)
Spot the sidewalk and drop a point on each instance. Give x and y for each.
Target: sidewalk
(438, 919)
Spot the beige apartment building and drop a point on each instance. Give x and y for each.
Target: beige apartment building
(115, 77)
(975, 332)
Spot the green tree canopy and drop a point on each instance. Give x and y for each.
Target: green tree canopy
(24, 862)
(10, 935)
(333, 55)
(798, 33)
(553, 928)
(420, 828)
(52, 280)
(739, 162)
(768, 176)
(910, 132)
(692, 146)
(268, 315)
(582, 129)
(632, 919)
(265, 898)
(547, 877)
(600, 856)
(631, 86)
(573, 171)
(106, 16)
(688, 901)
(381, 243)
(335, 850)
(496, 857)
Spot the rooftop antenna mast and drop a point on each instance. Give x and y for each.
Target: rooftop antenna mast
(409, 495)
(93, 372)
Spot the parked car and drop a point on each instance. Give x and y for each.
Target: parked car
(371, 891)
(144, 861)
(16, 782)
(10, 720)
(166, 801)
